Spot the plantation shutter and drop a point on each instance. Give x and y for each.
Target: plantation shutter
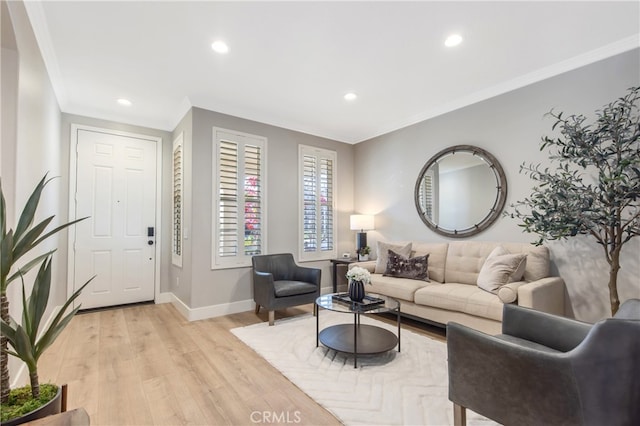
(178, 188)
(426, 195)
(429, 193)
(317, 177)
(239, 214)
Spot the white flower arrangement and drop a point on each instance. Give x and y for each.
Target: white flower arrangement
(358, 273)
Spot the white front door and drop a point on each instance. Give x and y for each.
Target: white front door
(116, 188)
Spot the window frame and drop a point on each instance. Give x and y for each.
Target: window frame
(319, 154)
(240, 260)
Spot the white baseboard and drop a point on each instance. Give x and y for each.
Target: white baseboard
(204, 312)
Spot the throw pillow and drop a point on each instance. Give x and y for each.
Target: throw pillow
(498, 269)
(518, 273)
(415, 268)
(382, 250)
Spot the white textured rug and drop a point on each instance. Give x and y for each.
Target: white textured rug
(396, 388)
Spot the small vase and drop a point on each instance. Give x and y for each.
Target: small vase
(356, 290)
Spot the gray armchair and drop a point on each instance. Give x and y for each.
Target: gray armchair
(279, 283)
(548, 370)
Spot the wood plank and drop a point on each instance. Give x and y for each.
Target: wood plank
(146, 364)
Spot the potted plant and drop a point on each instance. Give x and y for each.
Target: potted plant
(363, 254)
(595, 188)
(26, 339)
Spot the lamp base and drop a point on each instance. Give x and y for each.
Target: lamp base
(361, 241)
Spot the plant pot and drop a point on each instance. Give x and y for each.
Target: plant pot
(52, 407)
(356, 291)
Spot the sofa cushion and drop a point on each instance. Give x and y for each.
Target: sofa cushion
(286, 288)
(461, 298)
(437, 256)
(537, 259)
(414, 268)
(382, 253)
(400, 288)
(465, 259)
(499, 268)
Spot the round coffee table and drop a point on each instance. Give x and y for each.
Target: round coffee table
(357, 339)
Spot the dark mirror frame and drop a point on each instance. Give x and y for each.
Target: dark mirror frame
(494, 212)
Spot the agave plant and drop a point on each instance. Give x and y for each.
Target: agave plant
(14, 245)
(23, 338)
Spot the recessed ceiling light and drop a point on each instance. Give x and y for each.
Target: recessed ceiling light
(125, 102)
(220, 46)
(453, 40)
(350, 96)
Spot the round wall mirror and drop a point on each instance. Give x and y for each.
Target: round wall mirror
(461, 191)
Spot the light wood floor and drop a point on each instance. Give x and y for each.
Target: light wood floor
(146, 364)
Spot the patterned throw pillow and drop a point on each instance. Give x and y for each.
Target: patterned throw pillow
(415, 268)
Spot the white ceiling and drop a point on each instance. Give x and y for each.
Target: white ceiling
(290, 63)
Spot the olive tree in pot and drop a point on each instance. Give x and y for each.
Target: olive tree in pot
(595, 188)
(23, 338)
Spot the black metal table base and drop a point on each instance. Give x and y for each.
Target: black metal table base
(357, 339)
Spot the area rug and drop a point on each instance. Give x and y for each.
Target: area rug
(395, 388)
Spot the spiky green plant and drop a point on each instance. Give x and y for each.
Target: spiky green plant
(23, 338)
(14, 245)
(595, 188)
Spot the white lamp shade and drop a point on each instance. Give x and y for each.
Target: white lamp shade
(361, 222)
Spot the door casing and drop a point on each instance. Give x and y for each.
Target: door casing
(73, 177)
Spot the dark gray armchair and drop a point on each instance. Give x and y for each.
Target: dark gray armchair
(548, 370)
(279, 283)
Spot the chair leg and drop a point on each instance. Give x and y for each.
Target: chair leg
(272, 317)
(459, 415)
(257, 308)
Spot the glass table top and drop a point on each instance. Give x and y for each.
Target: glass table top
(333, 303)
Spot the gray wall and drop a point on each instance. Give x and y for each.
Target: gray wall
(208, 287)
(510, 127)
(30, 146)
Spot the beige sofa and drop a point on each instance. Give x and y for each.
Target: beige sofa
(451, 294)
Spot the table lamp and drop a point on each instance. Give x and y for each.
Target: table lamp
(361, 223)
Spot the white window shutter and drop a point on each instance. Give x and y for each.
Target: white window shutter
(317, 171)
(239, 212)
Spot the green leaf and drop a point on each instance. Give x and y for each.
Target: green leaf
(59, 323)
(26, 243)
(39, 297)
(7, 331)
(28, 266)
(24, 349)
(29, 211)
(6, 258)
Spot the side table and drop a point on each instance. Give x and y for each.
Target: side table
(334, 272)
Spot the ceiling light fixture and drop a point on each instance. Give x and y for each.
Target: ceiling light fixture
(453, 40)
(220, 46)
(350, 96)
(125, 102)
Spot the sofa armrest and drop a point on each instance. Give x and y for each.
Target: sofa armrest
(369, 265)
(545, 295)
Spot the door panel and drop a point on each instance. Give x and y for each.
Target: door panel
(116, 187)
